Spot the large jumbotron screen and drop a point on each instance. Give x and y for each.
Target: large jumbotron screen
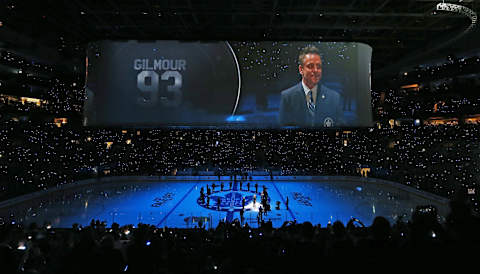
(260, 84)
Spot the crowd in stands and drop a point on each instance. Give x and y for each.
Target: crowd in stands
(440, 159)
(444, 89)
(422, 245)
(61, 93)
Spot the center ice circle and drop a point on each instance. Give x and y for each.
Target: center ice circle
(231, 200)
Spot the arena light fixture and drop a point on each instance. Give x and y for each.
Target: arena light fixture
(462, 10)
(440, 8)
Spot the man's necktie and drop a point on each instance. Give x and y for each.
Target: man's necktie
(311, 104)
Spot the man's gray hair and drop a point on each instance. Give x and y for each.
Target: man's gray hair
(307, 50)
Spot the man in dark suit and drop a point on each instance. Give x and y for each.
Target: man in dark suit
(307, 103)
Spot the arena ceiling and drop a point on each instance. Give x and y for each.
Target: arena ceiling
(398, 31)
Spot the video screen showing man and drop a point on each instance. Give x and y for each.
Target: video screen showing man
(310, 103)
(236, 84)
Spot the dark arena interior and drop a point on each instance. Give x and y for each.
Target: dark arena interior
(162, 136)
